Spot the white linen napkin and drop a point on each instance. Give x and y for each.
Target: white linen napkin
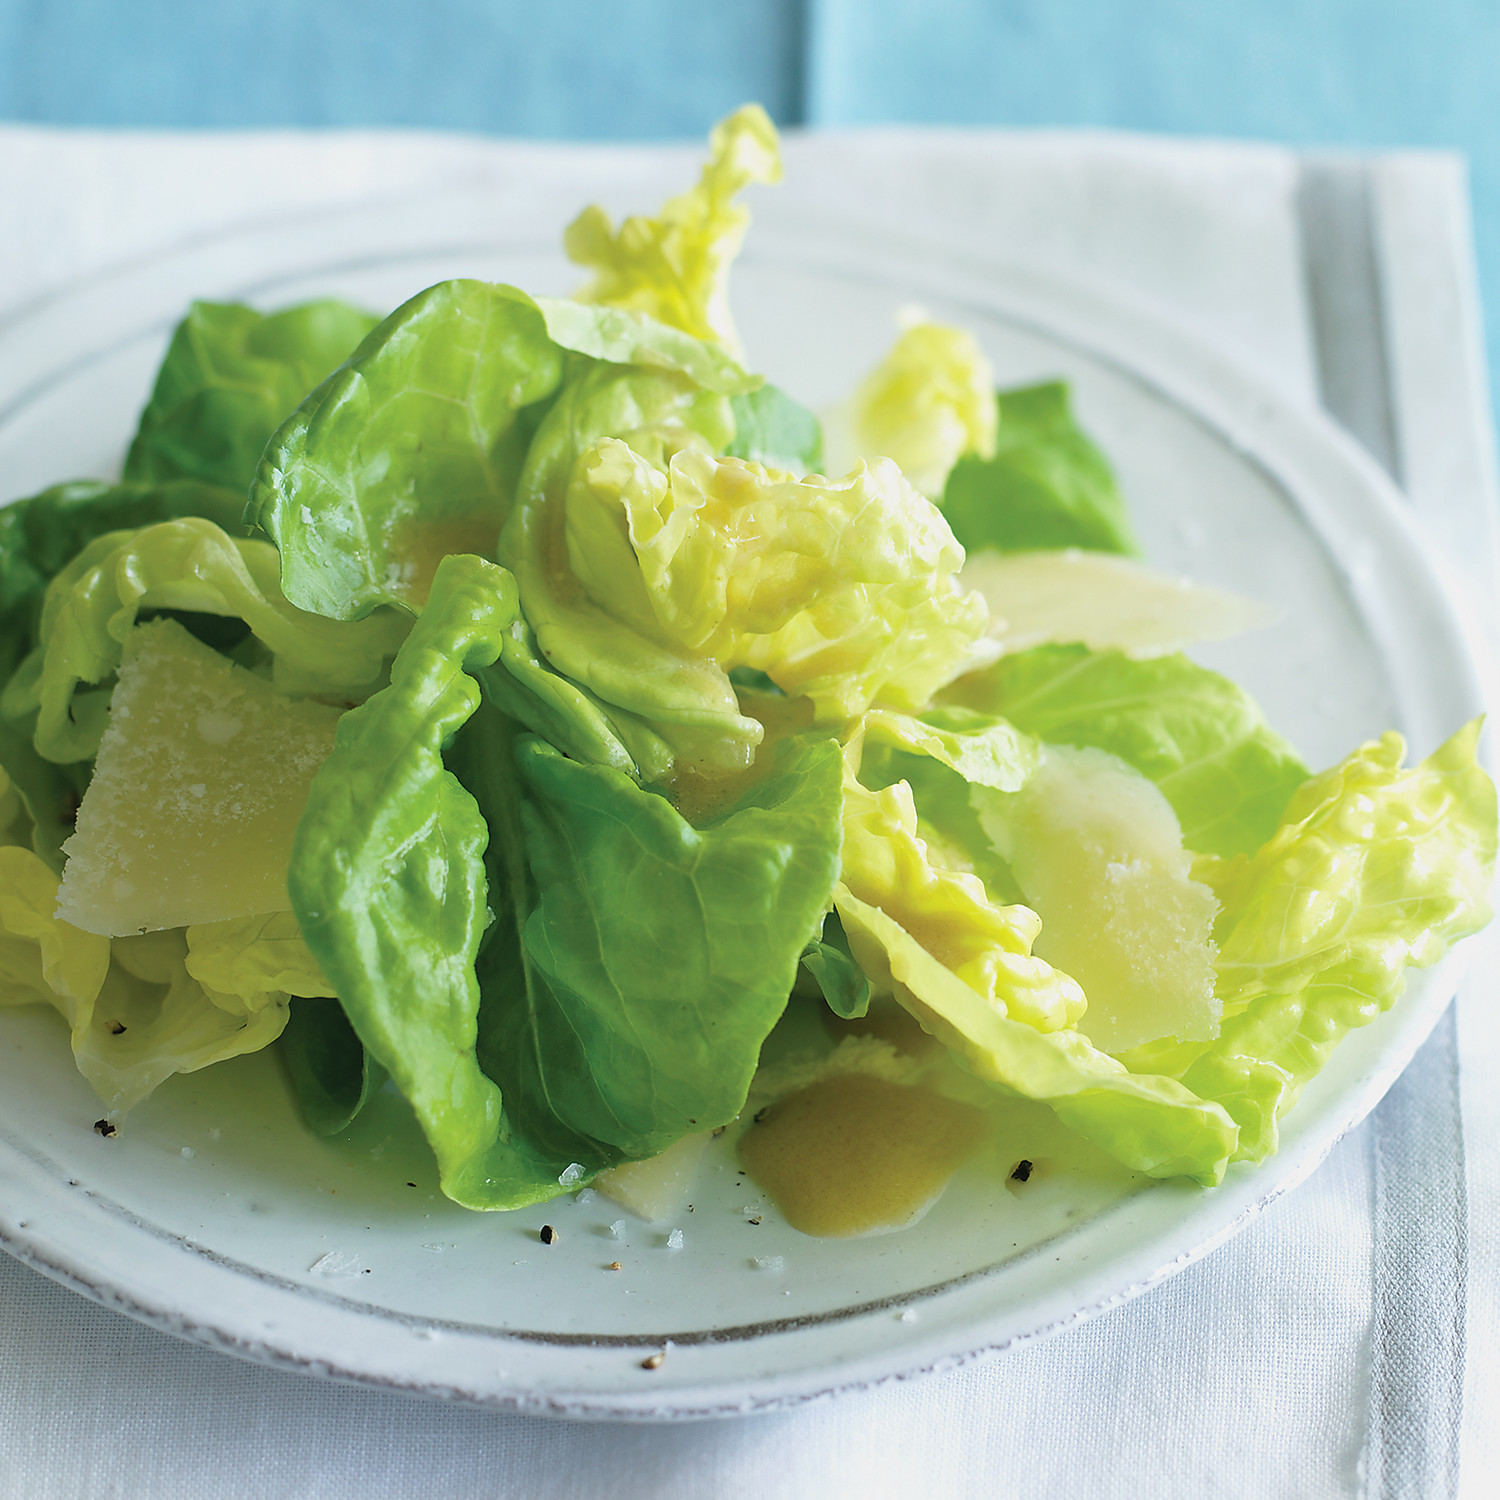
(1331, 1349)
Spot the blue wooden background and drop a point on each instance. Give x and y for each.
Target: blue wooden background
(1356, 73)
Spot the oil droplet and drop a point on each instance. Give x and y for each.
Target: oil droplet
(853, 1154)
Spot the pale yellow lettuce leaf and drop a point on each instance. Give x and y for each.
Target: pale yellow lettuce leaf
(929, 402)
(842, 591)
(675, 267)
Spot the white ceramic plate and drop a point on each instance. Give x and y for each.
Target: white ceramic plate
(209, 1211)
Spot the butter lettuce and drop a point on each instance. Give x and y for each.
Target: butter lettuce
(703, 732)
(675, 267)
(1044, 485)
(678, 571)
(188, 564)
(930, 401)
(243, 961)
(685, 697)
(42, 959)
(152, 1019)
(828, 959)
(963, 965)
(331, 1074)
(39, 536)
(487, 929)
(230, 377)
(1374, 868)
(407, 453)
(1194, 733)
(135, 1014)
(771, 428)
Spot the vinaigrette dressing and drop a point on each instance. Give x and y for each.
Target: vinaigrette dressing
(854, 1154)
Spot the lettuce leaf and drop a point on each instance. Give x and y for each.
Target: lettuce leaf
(620, 337)
(42, 959)
(331, 1074)
(829, 960)
(945, 755)
(599, 919)
(135, 1014)
(686, 699)
(231, 376)
(407, 453)
(153, 1019)
(771, 428)
(1374, 868)
(188, 564)
(964, 967)
(840, 591)
(39, 535)
(1046, 484)
(930, 401)
(1194, 733)
(981, 749)
(675, 267)
(245, 960)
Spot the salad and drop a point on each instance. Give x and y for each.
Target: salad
(520, 704)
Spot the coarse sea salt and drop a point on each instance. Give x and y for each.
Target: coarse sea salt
(674, 1240)
(336, 1263)
(768, 1262)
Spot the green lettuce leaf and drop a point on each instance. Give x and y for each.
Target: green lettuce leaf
(601, 923)
(331, 1074)
(828, 959)
(525, 687)
(980, 749)
(188, 564)
(42, 533)
(1375, 868)
(42, 959)
(153, 1019)
(619, 337)
(687, 699)
(38, 537)
(231, 376)
(1194, 733)
(1046, 484)
(409, 452)
(771, 428)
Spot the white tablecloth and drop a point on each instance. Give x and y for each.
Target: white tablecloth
(1343, 1344)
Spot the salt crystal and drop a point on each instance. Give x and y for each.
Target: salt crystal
(336, 1263)
(909, 1315)
(571, 1174)
(618, 1229)
(768, 1262)
(187, 1153)
(585, 1195)
(674, 1240)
